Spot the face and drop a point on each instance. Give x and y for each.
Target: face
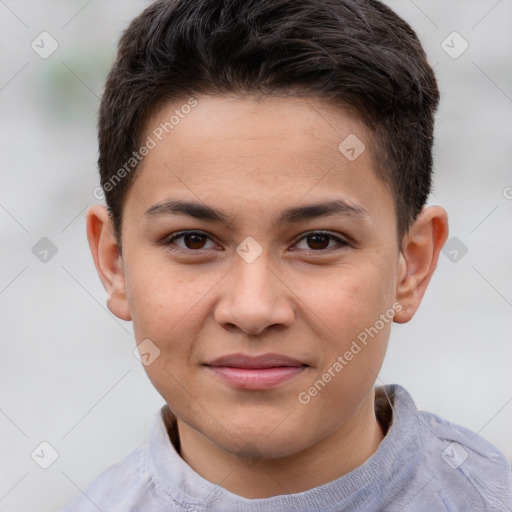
(257, 254)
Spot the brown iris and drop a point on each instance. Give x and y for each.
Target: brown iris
(194, 240)
(318, 241)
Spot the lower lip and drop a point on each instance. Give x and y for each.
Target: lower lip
(261, 378)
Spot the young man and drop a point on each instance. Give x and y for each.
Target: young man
(266, 166)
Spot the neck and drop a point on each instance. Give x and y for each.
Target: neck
(342, 451)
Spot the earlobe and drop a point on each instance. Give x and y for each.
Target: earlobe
(107, 259)
(418, 259)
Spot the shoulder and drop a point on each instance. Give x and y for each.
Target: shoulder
(119, 488)
(463, 448)
(466, 467)
(135, 483)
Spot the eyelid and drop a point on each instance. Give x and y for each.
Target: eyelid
(342, 241)
(179, 234)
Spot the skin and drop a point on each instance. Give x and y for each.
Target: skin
(307, 298)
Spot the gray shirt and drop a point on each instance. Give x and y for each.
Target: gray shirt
(424, 463)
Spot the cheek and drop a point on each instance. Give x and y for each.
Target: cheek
(352, 353)
(168, 309)
(346, 303)
(161, 298)
(353, 340)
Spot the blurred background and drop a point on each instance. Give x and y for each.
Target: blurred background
(68, 376)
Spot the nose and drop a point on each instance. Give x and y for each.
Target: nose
(254, 298)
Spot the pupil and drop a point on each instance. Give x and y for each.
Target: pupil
(194, 241)
(318, 241)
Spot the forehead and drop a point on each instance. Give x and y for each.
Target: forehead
(298, 127)
(270, 148)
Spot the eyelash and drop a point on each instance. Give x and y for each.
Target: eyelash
(343, 243)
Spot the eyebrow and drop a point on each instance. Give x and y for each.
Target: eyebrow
(290, 215)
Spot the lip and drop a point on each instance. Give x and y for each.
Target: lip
(256, 372)
(255, 362)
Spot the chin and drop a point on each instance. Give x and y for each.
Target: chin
(250, 439)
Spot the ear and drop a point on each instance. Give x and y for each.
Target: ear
(418, 259)
(108, 260)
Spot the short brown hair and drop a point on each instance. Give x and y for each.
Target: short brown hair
(356, 51)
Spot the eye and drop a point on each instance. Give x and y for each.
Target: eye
(191, 240)
(319, 241)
